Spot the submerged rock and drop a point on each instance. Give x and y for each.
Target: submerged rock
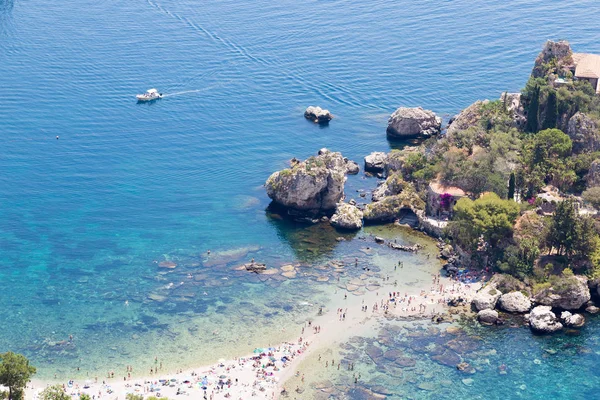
(255, 267)
(412, 122)
(347, 217)
(312, 186)
(543, 320)
(318, 115)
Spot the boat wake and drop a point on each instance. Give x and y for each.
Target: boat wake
(193, 91)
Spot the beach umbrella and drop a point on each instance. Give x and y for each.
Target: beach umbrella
(223, 377)
(259, 350)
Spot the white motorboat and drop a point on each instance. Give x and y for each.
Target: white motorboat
(151, 94)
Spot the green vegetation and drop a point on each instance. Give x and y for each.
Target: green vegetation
(15, 372)
(507, 154)
(55, 392)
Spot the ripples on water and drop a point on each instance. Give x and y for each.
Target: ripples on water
(83, 217)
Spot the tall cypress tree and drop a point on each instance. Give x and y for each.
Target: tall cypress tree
(511, 186)
(551, 111)
(532, 111)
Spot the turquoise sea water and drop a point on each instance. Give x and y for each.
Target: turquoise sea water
(84, 218)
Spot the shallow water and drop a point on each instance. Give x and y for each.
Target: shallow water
(418, 361)
(83, 218)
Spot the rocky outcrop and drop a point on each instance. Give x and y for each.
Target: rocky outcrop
(392, 186)
(318, 115)
(487, 316)
(347, 217)
(413, 122)
(514, 106)
(396, 159)
(470, 116)
(584, 133)
(507, 283)
(555, 58)
(572, 320)
(375, 162)
(543, 320)
(389, 208)
(593, 176)
(569, 293)
(486, 298)
(310, 187)
(515, 302)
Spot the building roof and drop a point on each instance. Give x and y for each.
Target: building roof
(439, 188)
(586, 65)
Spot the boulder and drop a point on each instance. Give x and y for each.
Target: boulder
(515, 302)
(572, 320)
(313, 186)
(352, 167)
(412, 122)
(388, 209)
(569, 293)
(543, 320)
(584, 133)
(486, 299)
(487, 316)
(318, 115)
(347, 217)
(593, 176)
(375, 162)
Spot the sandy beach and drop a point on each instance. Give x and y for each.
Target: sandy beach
(274, 368)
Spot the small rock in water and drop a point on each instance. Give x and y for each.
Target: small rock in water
(523, 387)
(536, 361)
(468, 381)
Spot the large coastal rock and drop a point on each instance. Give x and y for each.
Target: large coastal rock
(543, 320)
(570, 293)
(375, 162)
(347, 217)
(412, 122)
(388, 209)
(352, 167)
(392, 186)
(486, 298)
(593, 176)
(487, 316)
(313, 186)
(572, 320)
(554, 55)
(584, 133)
(515, 302)
(318, 115)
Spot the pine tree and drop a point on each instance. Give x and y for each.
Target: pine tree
(511, 186)
(551, 111)
(532, 111)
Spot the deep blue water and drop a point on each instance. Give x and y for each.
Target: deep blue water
(83, 218)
